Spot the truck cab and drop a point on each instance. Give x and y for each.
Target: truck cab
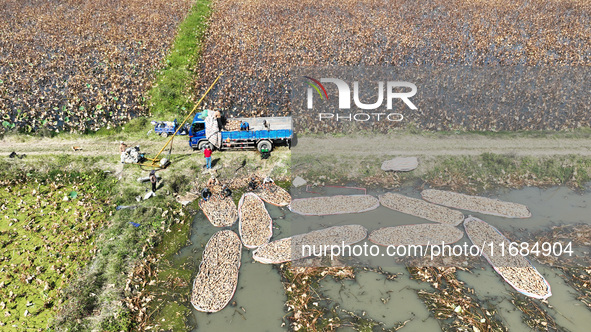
(197, 139)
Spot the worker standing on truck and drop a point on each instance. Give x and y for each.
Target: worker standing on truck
(244, 125)
(207, 155)
(218, 118)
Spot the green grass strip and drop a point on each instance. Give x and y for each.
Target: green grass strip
(172, 95)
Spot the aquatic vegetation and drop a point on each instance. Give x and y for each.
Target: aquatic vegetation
(452, 303)
(534, 314)
(305, 313)
(47, 235)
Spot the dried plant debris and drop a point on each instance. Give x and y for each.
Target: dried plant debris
(216, 281)
(421, 209)
(292, 248)
(419, 234)
(579, 278)
(341, 204)
(476, 204)
(220, 211)
(515, 269)
(304, 313)
(273, 194)
(255, 225)
(452, 303)
(534, 315)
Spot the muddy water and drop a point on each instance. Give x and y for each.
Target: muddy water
(259, 298)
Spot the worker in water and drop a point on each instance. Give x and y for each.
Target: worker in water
(122, 148)
(205, 193)
(226, 192)
(153, 180)
(207, 155)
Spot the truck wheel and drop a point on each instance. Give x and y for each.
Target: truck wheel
(202, 144)
(165, 135)
(264, 144)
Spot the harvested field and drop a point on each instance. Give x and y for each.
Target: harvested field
(221, 212)
(216, 281)
(81, 65)
(255, 225)
(476, 204)
(421, 234)
(290, 249)
(341, 204)
(421, 209)
(515, 269)
(274, 195)
(256, 44)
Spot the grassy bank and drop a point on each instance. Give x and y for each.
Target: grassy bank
(103, 288)
(72, 254)
(456, 172)
(173, 93)
(411, 129)
(47, 235)
(488, 170)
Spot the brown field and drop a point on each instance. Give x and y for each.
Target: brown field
(257, 43)
(81, 65)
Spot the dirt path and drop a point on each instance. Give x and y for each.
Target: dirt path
(404, 144)
(436, 146)
(90, 147)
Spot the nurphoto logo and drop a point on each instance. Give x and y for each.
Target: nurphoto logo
(390, 91)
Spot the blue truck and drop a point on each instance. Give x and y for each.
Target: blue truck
(263, 134)
(165, 128)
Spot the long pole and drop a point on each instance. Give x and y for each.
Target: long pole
(187, 118)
